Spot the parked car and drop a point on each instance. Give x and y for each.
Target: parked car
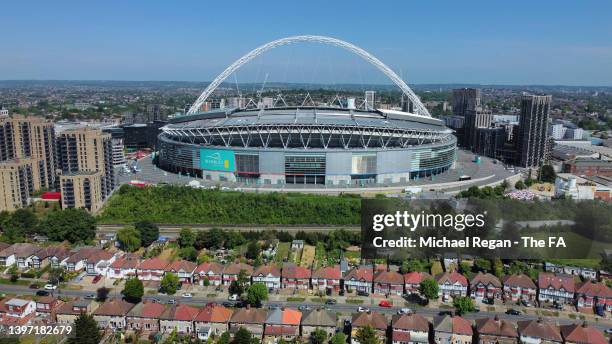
(443, 313)
(304, 308)
(233, 297)
(330, 302)
(558, 306)
(609, 331)
(42, 293)
(96, 279)
(50, 287)
(227, 304)
(363, 293)
(90, 296)
(34, 286)
(219, 288)
(526, 303)
(404, 311)
(155, 300)
(385, 303)
(187, 295)
(171, 301)
(361, 309)
(513, 312)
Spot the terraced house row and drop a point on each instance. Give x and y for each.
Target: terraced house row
(147, 319)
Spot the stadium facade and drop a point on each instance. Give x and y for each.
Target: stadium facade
(315, 146)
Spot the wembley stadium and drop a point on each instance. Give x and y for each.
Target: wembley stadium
(311, 145)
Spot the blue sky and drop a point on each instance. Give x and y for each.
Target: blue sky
(509, 42)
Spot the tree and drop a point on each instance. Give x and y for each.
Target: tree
(429, 288)
(186, 237)
(463, 304)
(482, 264)
(256, 294)
(235, 288)
(188, 253)
(102, 294)
(149, 232)
(224, 338)
(22, 222)
(129, 238)
(85, 330)
(338, 338)
(520, 185)
(318, 336)
(74, 225)
(133, 290)
(56, 275)
(253, 250)
(14, 273)
(169, 283)
(367, 335)
(242, 336)
(413, 265)
(547, 174)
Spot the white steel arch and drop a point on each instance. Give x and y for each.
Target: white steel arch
(418, 106)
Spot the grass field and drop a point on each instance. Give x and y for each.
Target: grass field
(282, 252)
(308, 256)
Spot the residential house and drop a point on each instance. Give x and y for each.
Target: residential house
(19, 308)
(151, 269)
(178, 317)
(282, 323)
(375, 320)
(124, 267)
(538, 332)
(485, 286)
(231, 272)
(452, 284)
(51, 255)
(327, 278)
(359, 279)
(183, 269)
(47, 305)
(582, 334)
(412, 281)
(519, 287)
(409, 329)
(295, 277)
(212, 321)
(321, 319)
(451, 329)
(591, 295)
(21, 254)
(98, 262)
(496, 330)
(111, 314)
(213, 272)
(252, 319)
(556, 288)
(388, 282)
(144, 318)
(68, 312)
(268, 275)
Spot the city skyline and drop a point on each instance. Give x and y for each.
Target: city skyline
(449, 43)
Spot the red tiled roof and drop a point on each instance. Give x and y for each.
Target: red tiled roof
(361, 273)
(152, 310)
(496, 327)
(181, 265)
(154, 263)
(400, 336)
(125, 262)
(374, 319)
(216, 314)
(328, 272)
(207, 267)
(388, 277)
(267, 270)
(539, 329)
(412, 322)
(234, 269)
(582, 334)
(547, 280)
(595, 289)
(486, 279)
(415, 277)
(519, 280)
(294, 271)
(280, 330)
(114, 307)
(180, 312)
(291, 317)
(452, 277)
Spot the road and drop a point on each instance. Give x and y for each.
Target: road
(172, 230)
(346, 309)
